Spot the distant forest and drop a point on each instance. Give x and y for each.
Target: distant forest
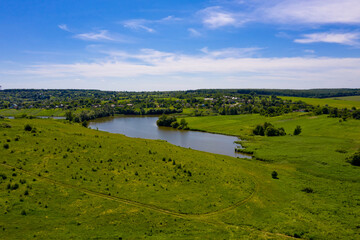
(40, 94)
(83, 105)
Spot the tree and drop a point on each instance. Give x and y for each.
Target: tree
(271, 131)
(259, 130)
(297, 130)
(69, 115)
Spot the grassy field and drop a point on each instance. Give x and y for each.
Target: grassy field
(64, 181)
(32, 112)
(349, 98)
(339, 102)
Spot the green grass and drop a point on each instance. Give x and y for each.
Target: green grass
(36, 112)
(80, 193)
(341, 103)
(349, 98)
(32, 112)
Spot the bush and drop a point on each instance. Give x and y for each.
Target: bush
(297, 130)
(274, 175)
(269, 130)
(355, 159)
(23, 212)
(6, 146)
(308, 190)
(5, 125)
(259, 130)
(85, 123)
(28, 127)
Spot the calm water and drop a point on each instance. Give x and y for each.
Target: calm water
(145, 127)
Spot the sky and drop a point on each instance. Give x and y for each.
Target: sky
(142, 45)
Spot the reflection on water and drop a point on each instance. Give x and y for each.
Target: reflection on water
(145, 127)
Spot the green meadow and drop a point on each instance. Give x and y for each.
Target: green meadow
(343, 102)
(349, 98)
(63, 181)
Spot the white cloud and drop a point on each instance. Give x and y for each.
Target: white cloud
(194, 33)
(329, 37)
(215, 69)
(95, 36)
(231, 52)
(142, 24)
(285, 12)
(309, 51)
(137, 24)
(216, 17)
(64, 27)
(312, 11)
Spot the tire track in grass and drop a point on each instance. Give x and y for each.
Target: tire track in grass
(201, 217)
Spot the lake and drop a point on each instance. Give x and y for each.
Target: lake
(145, 127)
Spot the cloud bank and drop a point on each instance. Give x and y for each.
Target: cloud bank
(149, 69)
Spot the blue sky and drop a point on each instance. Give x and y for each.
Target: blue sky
(178, 45)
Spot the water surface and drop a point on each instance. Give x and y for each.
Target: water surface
(145, 127)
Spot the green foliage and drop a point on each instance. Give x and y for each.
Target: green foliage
(28, 127)
(69, 115)
(5, 125)
(308, 190)
(85, 124)
(274, 175)
(165, 121)
(259, 130)
(297, 130)
(269, 130)
(355, 159)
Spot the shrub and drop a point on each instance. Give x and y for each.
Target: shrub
(85, 123)
(274, 175)
(269, 130)
(259, 130)
(23, 212)
(355, 159)
(5, 125)
(15, 186)
(28, 127)
(174, 124)
(297, 130)
(308, 190)
(6, 146)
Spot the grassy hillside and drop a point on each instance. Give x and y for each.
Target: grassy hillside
(350, 98)
(64, 181)
(339, 103)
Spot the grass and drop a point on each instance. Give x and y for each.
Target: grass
(92, 184)
(349, 98)
(37, 112)
(339, 103)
